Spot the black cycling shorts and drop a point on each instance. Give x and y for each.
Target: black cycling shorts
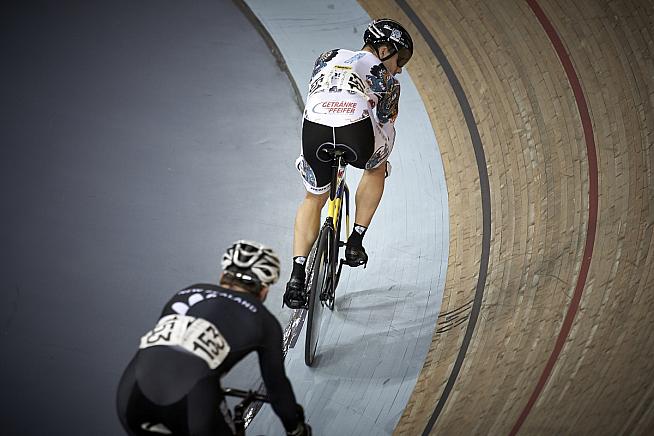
(190, 403)
(359, 137)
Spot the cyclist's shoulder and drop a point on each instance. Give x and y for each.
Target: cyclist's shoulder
(357, 57)
(195, 289)
(199, 287)
(269, 319)
(206, 292)
(270, 325)
(343, 55)
(327, 55)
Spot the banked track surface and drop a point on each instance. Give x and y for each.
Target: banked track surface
(553, 351)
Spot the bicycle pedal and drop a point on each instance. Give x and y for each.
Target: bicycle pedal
(353, 264)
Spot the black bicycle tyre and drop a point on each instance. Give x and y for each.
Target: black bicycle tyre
(315, 307)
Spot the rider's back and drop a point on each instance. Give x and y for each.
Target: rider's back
(166, 374)
(350, 86)
(241, 318)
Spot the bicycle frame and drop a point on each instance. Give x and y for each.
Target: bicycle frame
(336, 193)
(324, 269)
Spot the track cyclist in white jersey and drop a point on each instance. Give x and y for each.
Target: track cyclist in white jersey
(353, 101)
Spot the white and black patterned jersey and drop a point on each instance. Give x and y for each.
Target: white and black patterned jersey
(348, 86)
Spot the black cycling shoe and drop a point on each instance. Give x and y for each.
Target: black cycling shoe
(294, 296)
(355, 256)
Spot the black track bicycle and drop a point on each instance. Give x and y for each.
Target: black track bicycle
(324, 267)
(241, 418)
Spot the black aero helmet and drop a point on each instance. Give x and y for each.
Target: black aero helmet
(387, 31)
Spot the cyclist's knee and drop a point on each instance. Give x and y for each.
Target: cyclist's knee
(380, 171)
(318, 199)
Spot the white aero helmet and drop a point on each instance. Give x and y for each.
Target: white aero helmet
(252, 260)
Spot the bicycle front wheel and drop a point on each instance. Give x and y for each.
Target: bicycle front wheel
(320, 280)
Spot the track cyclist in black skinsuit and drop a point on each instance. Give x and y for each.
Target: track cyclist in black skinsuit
(172, 385)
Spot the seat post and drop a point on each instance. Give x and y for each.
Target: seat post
(335, 163)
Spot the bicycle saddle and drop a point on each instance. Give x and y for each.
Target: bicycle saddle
(328, 152)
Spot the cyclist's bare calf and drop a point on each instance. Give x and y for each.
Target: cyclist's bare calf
(369, 194)
(307, 219)
(307, 226)
(307, 223)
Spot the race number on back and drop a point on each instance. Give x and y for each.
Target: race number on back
(196, 335)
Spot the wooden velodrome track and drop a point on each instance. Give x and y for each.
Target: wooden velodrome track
(543, 111)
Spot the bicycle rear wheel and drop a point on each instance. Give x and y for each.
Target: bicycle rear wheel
(320, 280)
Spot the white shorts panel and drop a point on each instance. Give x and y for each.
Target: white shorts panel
(309, 178)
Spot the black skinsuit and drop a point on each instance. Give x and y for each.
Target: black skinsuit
(166, 386)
